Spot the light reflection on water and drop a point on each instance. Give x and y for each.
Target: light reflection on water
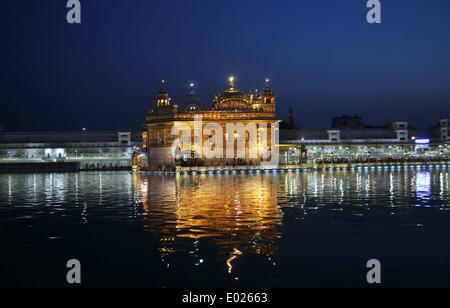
(233, 216)
(240, 213)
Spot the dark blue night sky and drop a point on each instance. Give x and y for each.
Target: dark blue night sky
(322, 56)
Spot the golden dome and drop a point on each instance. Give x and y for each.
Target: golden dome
(232, 97)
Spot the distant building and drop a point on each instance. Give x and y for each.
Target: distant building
(445, 129)
(92, 149)
(349, 139)
(347, 122)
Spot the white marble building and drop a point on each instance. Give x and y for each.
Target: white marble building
(93, 149)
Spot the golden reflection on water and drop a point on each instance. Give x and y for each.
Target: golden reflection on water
(239, 213)
(242, 214)
(229, 217)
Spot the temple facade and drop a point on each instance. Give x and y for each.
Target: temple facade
(232, 106)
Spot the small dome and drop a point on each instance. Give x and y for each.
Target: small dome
(267, 91)
(192, 100)
(163, 90)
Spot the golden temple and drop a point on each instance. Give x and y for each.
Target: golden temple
(231, 106)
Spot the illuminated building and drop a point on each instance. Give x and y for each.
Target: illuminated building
(230, 106)
(348, 140)
(93, 150)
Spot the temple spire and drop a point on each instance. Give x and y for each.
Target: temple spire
(163, 97)
(192, 100)
(232, 79)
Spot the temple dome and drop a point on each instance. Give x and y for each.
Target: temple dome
(232, 98)
(192, 100)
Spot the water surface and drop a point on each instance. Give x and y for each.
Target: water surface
(313, 229)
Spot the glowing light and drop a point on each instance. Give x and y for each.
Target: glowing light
(232, 79)
(235, 254)
(422, 141)
(423, 184)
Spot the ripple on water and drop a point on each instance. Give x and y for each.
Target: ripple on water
(233, 215)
